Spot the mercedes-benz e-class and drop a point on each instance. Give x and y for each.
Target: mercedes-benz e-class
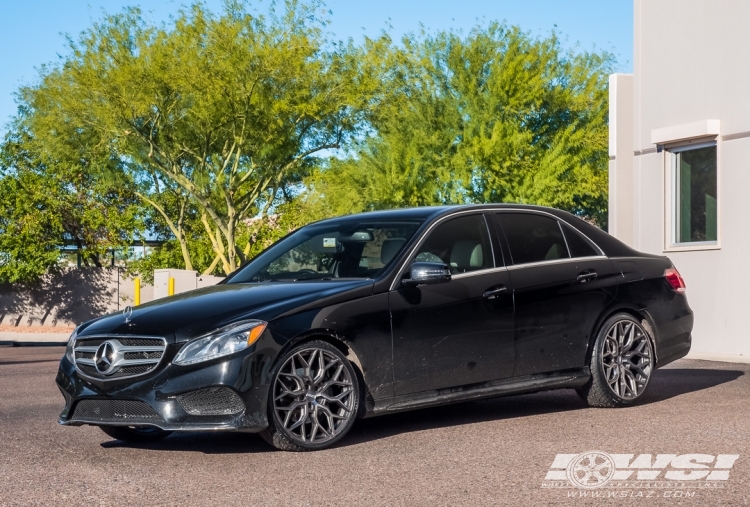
(381, 312)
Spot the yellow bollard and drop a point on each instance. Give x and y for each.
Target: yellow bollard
(170, 290)
(137, 293)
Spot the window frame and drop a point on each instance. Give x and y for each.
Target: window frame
(671, 154)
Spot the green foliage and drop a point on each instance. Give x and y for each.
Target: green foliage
(48, 203)
(224, 110)
(496, 116)
(216, 134)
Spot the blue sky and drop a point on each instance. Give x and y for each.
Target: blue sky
(31, 31)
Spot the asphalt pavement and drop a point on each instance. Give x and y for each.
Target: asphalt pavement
(494, 452)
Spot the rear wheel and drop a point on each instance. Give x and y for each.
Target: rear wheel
(314, 398)
(621, 363)
(138, 434)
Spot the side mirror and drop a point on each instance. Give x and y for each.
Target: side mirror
(427, 273)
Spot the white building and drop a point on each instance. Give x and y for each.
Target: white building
(679, 165)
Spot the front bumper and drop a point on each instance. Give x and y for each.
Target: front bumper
(224, 394)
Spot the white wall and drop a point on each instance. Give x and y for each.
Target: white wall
(690, 65)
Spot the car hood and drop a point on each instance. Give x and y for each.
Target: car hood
(200, 311)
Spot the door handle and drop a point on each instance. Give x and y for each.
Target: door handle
(492, 293)
(586, 276)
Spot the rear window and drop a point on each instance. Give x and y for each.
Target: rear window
(532, 237)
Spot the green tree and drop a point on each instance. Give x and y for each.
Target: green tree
(224, 110)
(50, 203)
(495, 116)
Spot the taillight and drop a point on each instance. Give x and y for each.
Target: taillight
(674, 279)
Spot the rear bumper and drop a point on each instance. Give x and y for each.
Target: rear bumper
(673, 322)
(220, 395)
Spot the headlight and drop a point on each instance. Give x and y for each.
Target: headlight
(69, 355)
(222, 342)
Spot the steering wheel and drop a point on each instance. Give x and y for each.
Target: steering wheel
(307, 272)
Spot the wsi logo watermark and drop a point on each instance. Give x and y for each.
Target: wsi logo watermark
(675, 475)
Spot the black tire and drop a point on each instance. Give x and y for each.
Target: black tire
(135, 434)
(284, 437)
(616, 379)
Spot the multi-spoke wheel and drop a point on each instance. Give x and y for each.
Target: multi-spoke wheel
(621, 363)
(313, 400)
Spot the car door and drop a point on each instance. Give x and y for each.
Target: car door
(459, 332)
(561, 283)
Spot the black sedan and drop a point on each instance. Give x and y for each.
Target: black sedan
(383, 312)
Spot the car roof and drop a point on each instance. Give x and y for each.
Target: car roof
(427, 212)
(609, 244)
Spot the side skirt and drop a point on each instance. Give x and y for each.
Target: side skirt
(504, 387)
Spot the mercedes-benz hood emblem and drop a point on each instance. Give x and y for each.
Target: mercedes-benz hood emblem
(127, 313)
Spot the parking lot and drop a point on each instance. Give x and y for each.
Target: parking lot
(494, 452)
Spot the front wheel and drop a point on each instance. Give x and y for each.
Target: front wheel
(314, 398)
(621, 363)
(136, 434)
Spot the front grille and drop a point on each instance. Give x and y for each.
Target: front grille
(142, 355)
(114, 411)
(88, 370)
(118, 357)
(211, 401)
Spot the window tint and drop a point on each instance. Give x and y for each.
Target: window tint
(462, 243)
(577, 244)
(532, 238)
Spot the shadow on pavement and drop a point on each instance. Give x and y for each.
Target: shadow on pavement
(665, 384)
(672, 382)
(206, 442)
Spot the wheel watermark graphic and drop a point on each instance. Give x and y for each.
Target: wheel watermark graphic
(591, 469)
(599, 474)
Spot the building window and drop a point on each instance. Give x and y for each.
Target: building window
(694, 211)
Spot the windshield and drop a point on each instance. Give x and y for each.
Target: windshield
(325, 251)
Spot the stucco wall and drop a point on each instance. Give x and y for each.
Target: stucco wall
(690, 66)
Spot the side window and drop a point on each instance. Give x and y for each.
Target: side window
(533, 238)
(577, 244)
(462, 243)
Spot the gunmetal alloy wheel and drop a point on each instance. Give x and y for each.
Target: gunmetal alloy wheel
(314, 398)
(626, 358)
(621, 363)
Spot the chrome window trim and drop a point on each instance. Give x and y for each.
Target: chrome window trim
(556, 261)
(404, 266)
(565, 240)
(479, 272)
(117, 337)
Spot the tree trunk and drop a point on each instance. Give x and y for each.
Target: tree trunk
(185, 252)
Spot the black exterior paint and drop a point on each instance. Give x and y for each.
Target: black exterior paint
(413, 346)
(448, 334)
